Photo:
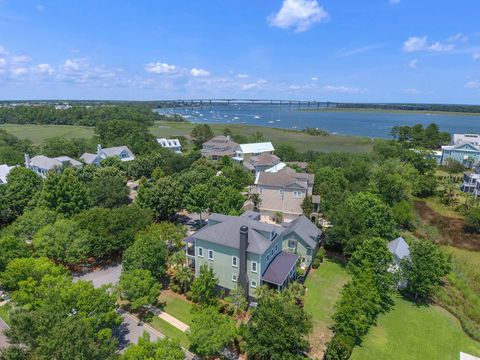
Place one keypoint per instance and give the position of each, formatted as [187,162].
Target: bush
[472,221]
[339,348]
[319,257]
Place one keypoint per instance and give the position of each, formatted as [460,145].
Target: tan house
[282,192]
[219,146]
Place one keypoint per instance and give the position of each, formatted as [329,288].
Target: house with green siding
[244,251]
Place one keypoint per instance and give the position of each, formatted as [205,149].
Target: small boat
[256,116]
[270,122]
[236,118]
[277,120]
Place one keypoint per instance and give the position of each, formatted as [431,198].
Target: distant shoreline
[391,111]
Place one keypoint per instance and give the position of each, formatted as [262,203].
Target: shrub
[340,347]
[319,257]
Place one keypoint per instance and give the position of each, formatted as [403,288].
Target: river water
[362,123]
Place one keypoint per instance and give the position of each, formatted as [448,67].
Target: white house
[400,250]
[121,152]
[246,151]
[4,171]
[462,138]
[172,144]
[42,164]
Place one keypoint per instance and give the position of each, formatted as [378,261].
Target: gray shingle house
[218,146]
[121,152]
[242,250]
[42,164]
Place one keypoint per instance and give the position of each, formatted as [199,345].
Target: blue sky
[336,50]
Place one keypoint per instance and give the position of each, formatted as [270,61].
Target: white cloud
[458,38]
[476,56]
[242,76]
[160,68]
[413,64]
[474,84]
[437,46]
[415,43]
[43,69]
[314,78]
[343,89]
[394,2]
[72,65]
[18,71]
[253,85]
[411,91]
[298,14]
[3,62]
[199,72]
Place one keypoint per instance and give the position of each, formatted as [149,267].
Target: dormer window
[272,235]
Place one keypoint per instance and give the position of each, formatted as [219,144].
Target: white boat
[256,116]
[270,122]
[236,118]
[277,120]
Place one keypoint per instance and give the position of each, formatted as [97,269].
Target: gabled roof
[399,248]
[4,171]
[305,229]
[465,145]
[103,153]
[473,138]
[47,163]
[256,148]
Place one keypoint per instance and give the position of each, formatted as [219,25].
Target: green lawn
[176,306]
[38,133]
[170,331]
[410,332]
[4,313]
[300,141]
[323,289]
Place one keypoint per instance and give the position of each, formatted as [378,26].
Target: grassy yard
[4,313]
[38,133]
[323,289]
[411,332]
[170,331]
[176,306]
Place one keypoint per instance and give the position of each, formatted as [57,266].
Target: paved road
[132,329]
[3,338]
[109,275]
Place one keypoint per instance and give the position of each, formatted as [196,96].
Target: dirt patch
[451,229]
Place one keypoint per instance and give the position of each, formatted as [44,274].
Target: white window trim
[268,258]
[234,278]
[208,254]
[200,252]
[256,267]
[234,263]
[260,190]
[297,194]
[252,284]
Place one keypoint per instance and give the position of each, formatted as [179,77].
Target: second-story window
[260,190]
[297,194]
[200,252]
[210,254]
[254,267]
[234,261]
[281,192]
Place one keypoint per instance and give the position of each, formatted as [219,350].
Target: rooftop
[278,270]
[256,148]
[399,248]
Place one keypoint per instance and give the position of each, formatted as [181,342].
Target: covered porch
[281,270]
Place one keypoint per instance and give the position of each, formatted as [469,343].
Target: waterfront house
[242,250]
[218,147]
[121,152]
[4,171]
[470,181]
[172,144]
[42,164]
[282,192]
[261,162]
[243,152]
[465,148]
